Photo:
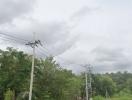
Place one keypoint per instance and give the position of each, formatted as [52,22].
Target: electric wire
[7,39]
[41,49]
[62,59]
[11,36]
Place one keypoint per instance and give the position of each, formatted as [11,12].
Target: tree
[51,82]
[55,82]
[14,71]
[129,84]
[103,83]
[100,84]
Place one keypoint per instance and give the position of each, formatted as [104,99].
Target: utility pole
[33,44]
[107,95]
[88,84]
[86,78]
[90,81]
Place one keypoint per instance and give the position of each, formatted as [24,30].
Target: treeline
[123,81]
[51,81]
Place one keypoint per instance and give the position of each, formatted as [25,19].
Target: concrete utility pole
[107,95]
[33,45]
[88,84]
[86,78]
[90,81]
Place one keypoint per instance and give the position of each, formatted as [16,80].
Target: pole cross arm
[34,44]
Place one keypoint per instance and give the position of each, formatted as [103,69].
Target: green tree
[103,83]
[129,84]
[14,71]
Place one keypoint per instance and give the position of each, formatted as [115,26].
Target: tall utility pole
[90,81]
[88,84]
[107,95]
[86,76]
[33,44]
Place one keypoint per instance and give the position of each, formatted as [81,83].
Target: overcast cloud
[77,31]
[10,9]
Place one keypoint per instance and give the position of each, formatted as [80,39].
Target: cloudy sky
[74,31]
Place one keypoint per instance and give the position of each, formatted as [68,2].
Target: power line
[4,34]
[11,40]
[42,53]
[5,39]
[16,40]
[50,54]
[42,49]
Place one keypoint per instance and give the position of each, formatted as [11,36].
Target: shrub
[98,98]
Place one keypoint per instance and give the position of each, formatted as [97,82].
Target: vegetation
[52,82]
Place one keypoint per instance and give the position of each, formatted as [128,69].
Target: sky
[75,32]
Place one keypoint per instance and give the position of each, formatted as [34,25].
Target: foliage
[123,80]
[100,84]
[9,95]
[52,82]
[14,71]
[98,98]
[103,83]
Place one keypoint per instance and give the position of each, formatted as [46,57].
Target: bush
[98,98]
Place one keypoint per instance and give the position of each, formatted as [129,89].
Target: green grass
[122,98]
[114,98]
[98,98]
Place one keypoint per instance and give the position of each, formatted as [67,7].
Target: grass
[114,98]
[122,98]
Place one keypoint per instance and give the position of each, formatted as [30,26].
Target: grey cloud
[55,36]
[107,28]
[109,60]
[10,9]
[106,54]
[83,12]
[80,14]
